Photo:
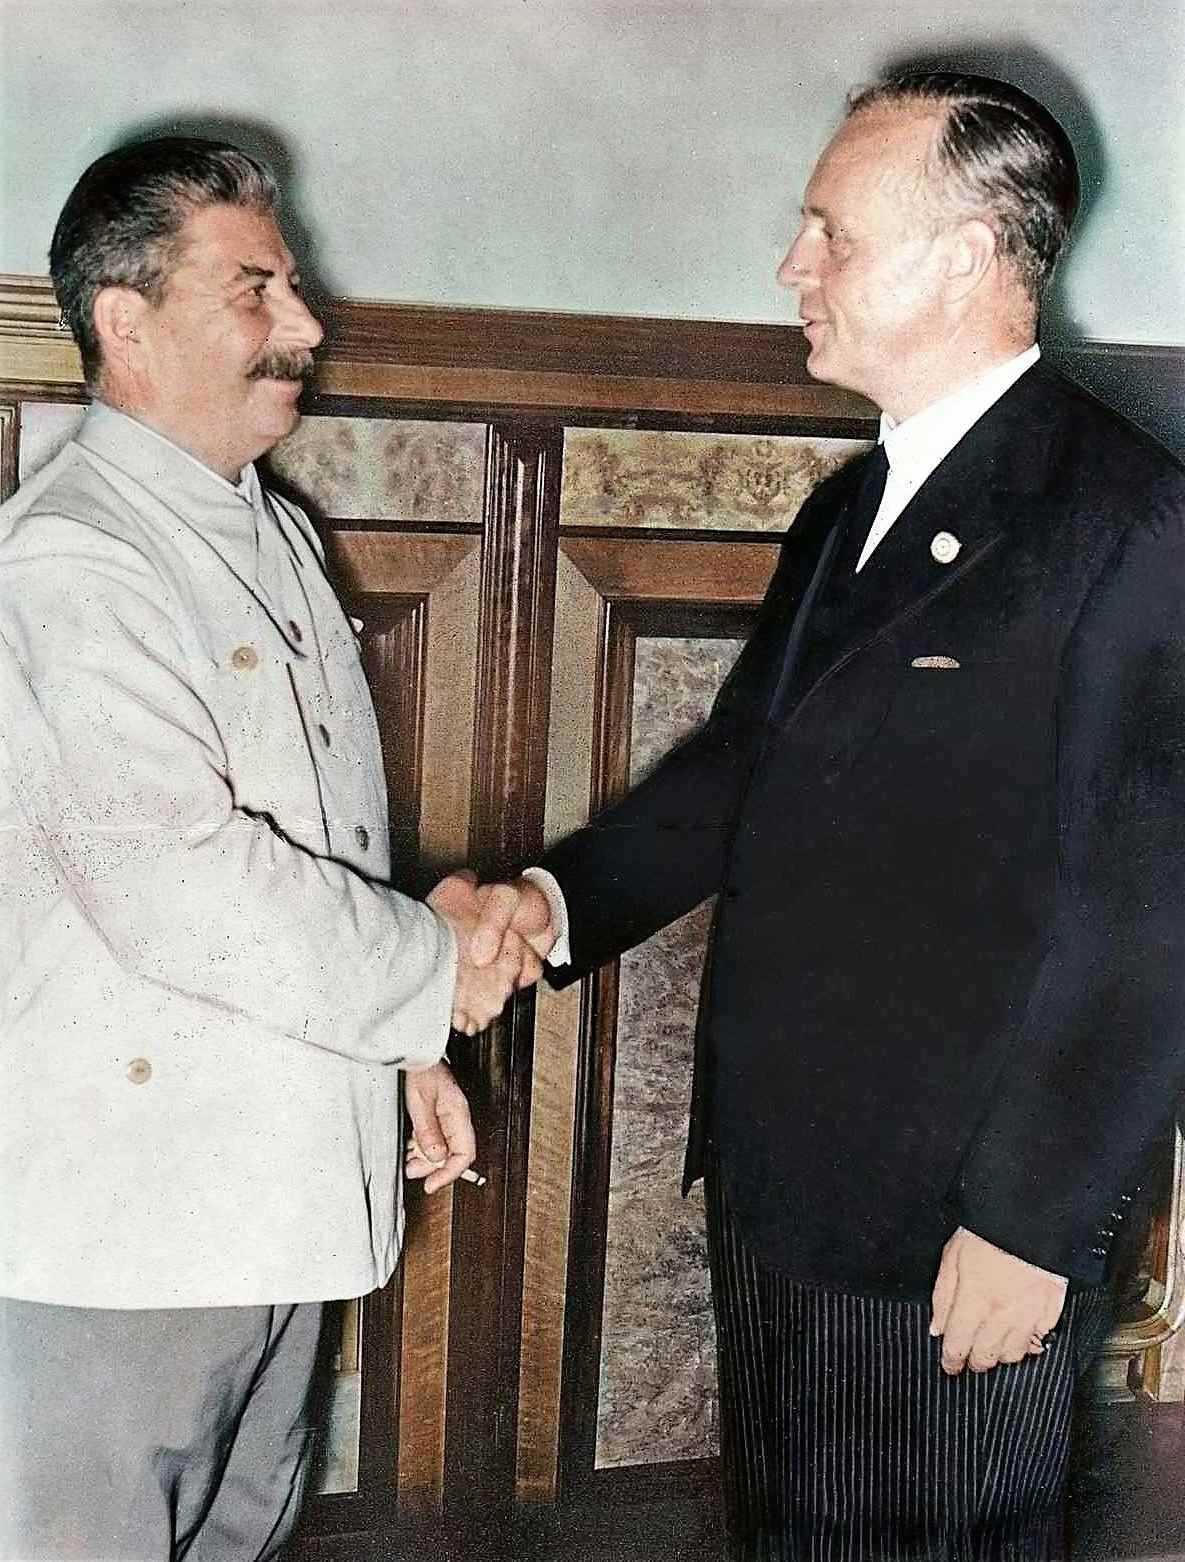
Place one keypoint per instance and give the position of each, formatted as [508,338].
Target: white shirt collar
[917,444]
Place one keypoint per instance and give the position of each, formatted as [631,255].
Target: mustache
[282,363]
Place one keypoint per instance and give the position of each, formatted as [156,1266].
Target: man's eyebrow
[249,272]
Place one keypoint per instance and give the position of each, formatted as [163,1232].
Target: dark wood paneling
[549,342]
[522,503]
[10,444]
[394,654]
[522,492]
[391,359]
[530,359]
[528,373]
[400,585]
[650,586]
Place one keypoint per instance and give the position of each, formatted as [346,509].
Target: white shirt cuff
[561,952]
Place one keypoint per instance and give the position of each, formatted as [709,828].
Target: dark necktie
[861,513]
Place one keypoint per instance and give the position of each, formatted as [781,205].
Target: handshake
[504,933]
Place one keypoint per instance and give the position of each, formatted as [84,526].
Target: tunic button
[244,658]
[362,836]
[139,1071]
[294,631]
[323,730]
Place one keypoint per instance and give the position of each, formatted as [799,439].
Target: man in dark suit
[941,800]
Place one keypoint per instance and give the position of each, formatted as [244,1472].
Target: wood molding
[448,361]
[638,584]
[650,567]
[491,360]
[35,348]
[10,444]
[519,544]
[417,596]
[522,507]
[549,361]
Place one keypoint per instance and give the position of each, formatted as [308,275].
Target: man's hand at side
[443,1144]
[989,1306]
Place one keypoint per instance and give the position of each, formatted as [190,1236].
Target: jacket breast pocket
[972,712]
[269,766]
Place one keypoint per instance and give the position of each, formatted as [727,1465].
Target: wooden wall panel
[502,662]
[610,589]
[10,434]
[513,683]
[417,598]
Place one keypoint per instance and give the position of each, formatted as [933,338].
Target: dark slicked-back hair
[998,155]
[121,224]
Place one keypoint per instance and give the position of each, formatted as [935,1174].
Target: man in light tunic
[209,993]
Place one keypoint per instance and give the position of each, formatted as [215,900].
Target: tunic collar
[227,514]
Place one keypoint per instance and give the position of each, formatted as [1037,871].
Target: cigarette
[468,1175]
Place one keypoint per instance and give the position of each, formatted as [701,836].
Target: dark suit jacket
[947,973]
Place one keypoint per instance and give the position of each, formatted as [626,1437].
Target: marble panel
[386,469]
[335,1467]
[1172,1369]
[708,482]
[658,1364]
[45,427]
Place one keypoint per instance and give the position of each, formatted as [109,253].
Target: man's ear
[118,317]
[971,254]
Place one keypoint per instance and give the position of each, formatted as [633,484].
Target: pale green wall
[608,155]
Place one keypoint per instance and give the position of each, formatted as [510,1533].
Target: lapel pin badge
[942,663]
[945,547]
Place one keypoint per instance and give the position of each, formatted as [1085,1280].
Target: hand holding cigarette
[442,1143]
[417,1161]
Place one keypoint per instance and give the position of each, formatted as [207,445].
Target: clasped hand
[503,933]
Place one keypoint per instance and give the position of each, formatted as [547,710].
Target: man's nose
[297,325]
[792,272]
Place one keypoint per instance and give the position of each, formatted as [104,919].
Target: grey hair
[1000,155]
[121,223]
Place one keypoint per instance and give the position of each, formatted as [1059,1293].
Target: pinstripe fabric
[843,1440]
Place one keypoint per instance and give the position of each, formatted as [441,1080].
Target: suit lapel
[960,515]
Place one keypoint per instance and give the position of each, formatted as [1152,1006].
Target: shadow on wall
[264,143]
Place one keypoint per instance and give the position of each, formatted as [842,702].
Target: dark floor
[1129,1506]
[1131,1503]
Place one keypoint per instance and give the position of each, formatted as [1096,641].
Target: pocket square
[934,661]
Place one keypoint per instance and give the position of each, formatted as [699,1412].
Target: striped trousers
[842,1440]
